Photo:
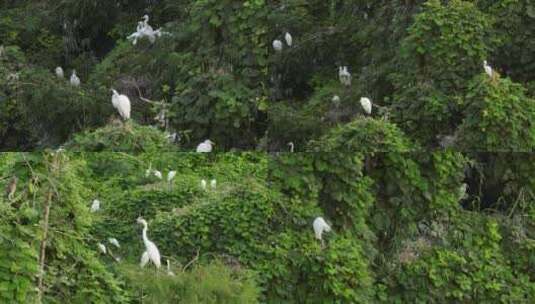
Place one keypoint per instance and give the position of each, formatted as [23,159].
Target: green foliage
[212,283]
[121,137]
[499,117]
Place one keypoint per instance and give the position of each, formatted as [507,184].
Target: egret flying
[366,104]
[95,206]
[277,45]
[75,81]
[121,103]
[59,72]
[102,248]
[171,175]
[158,174]
[205,147]
[213,184]
[203,184]
[292,146]
[320,226]
[288,39]
[151,250]
[114,242]
[488,69]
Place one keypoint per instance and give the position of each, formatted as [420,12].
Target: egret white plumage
[292,146]
[121,103]
[488,69]
[277,45]
[288,39]
[114,242]
[205,146]
[158,174]
[213,184]
[75,81]
[203,184]
[151,249]
[320,226]
[95,206]
[144,259]
[171,175]
[344,76]
[59,72]
[102,248]
[336,99]
[169,272]
[366,104]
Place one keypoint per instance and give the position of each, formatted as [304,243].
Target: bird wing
[124,106]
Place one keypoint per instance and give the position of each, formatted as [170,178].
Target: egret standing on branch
[75,81]
[102,248]
[292,146]
[59,72]
[320,226]
[213,184]
[366,104]
[171,175]
[121,103]
[114,242]
[158,174]
[203,184]
[344,76]
[205,146]
[151,253]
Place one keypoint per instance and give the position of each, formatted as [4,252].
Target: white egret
[158,174]
[59,72]
[462,191]
[102,248]
[446,141]
[288,39]
[292,146]
[203,184]
[320,226]
[121,103]
[169,272]
[344,75]
[277,45]
[171,175]
[488,69]
[366,104]
[95,206]
[205,146]
[151,249]
[336,99]
[149,170]
[114,242]
[213,184]
[146,26]
[173,138]
[75,81]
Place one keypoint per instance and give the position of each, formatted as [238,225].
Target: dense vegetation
[430,197]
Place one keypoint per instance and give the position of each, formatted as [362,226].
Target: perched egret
[59,72]
[149,170]
[95,206]
[11,188]
[173,138]
[102,248]
[366,104]
[336,99]
[205,147]
[213,184]
[146,26]
[203,184]
[277,45]
[344,76]
[151,249]
[288,39]
[137,34]
[171,175]
[462,191]
[158,174]
[75,81]
[121,103]
[169,272]
[114,242]
[320,226]
[488,69]
[292,146]
[446,141]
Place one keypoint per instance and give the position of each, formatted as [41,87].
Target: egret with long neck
[151,249]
